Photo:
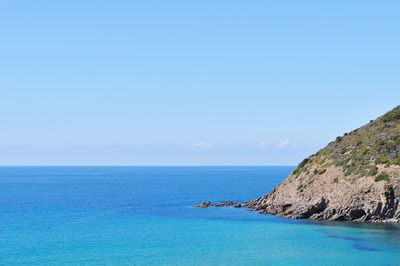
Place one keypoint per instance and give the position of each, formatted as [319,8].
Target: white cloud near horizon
[284,144]
[203,145]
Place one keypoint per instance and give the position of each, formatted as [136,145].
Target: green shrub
[303,163]
[321,171]
[381,160]
[298,171]
[362,172]
[348,169]
[392,116]
[327,165]
[382,177]
[373,171]
[299,168]
[396,161]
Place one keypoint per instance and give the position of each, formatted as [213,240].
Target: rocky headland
[354,178]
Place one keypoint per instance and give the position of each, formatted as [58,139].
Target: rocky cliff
[356,177]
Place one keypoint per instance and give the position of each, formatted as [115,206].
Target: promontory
[356,177]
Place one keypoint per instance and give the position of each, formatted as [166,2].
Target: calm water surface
[143,216]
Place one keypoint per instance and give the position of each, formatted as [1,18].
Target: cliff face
[356,177]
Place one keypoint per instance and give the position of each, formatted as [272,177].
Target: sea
[144,216]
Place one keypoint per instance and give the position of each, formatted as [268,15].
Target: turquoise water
[143,216]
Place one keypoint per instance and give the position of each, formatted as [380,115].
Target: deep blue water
[143,216]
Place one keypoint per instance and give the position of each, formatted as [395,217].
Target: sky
[191,82]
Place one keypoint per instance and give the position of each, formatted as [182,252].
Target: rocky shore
[363,199]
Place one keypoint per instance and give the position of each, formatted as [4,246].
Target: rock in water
[356,177]
[205,204]
[228,203]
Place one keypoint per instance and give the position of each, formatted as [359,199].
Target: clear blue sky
[190,82]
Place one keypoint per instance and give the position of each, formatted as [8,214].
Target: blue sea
[143,216]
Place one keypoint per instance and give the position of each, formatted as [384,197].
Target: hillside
[356,177]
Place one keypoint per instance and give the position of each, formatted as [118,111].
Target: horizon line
[155,165]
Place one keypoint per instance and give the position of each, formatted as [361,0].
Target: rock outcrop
[356,177]
[228,203]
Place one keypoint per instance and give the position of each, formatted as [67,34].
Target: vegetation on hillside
[359,152]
